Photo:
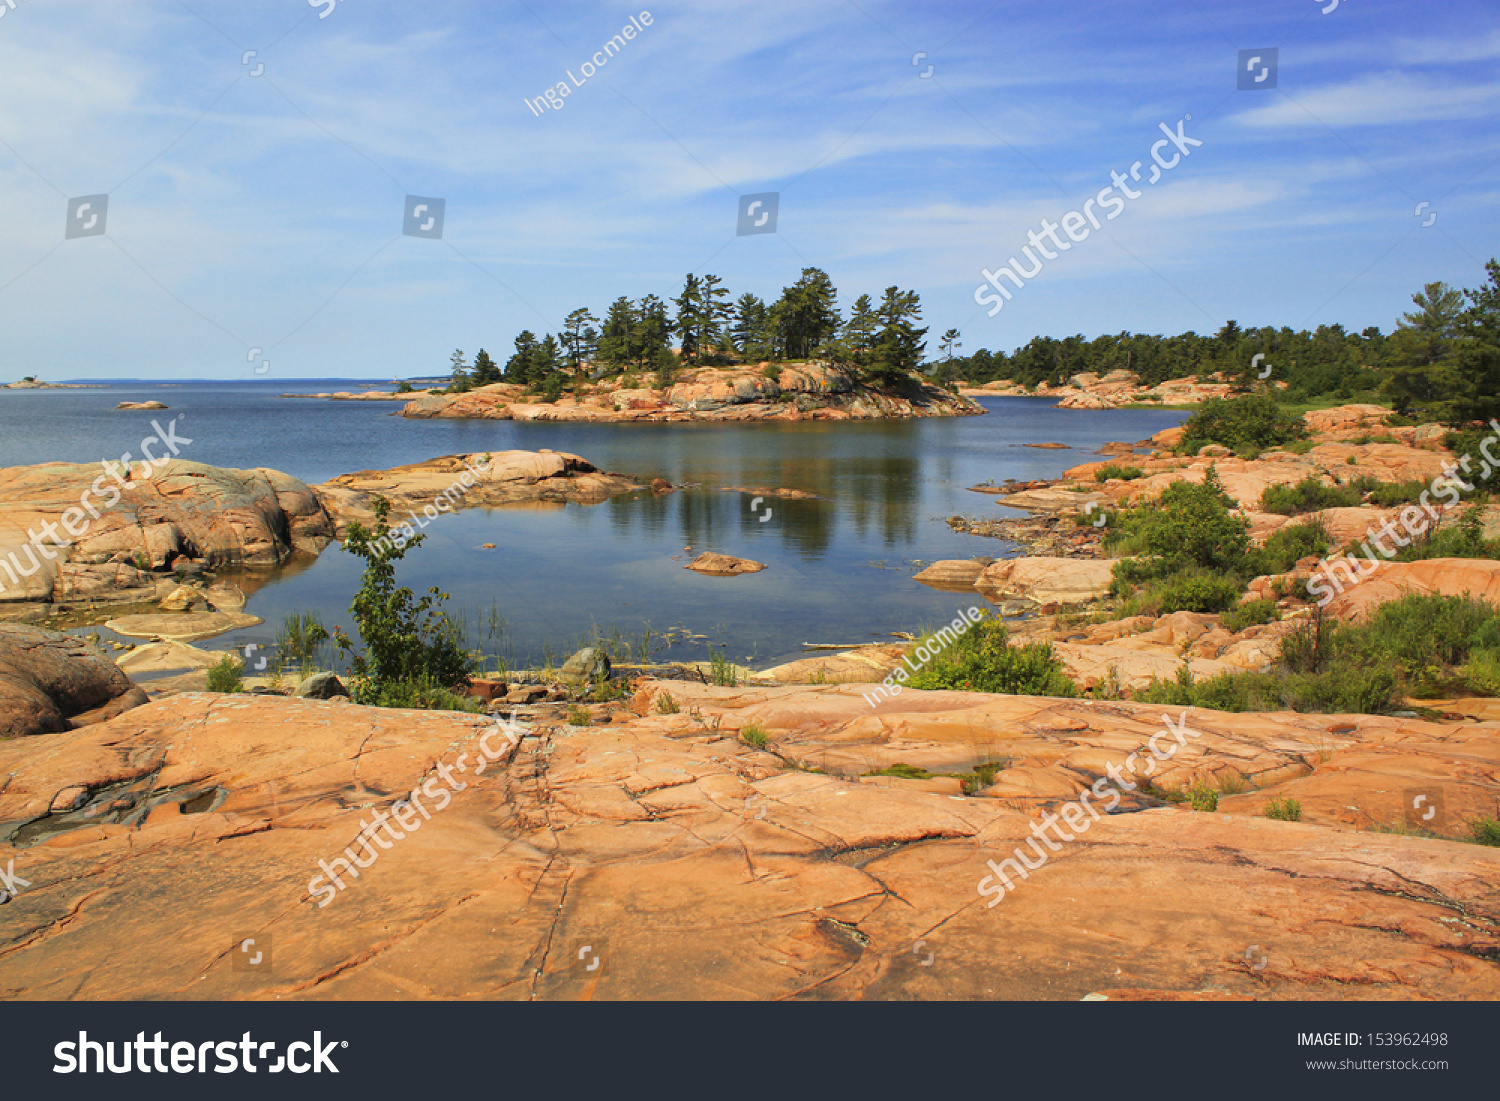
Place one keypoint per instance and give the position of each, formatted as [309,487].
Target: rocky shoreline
[793,392]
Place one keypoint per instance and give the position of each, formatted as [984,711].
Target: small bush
[1203,798]
[1395,494]
[980,777]
[982,660]
[1288,546]
[1188,591]
[579,716]
[1251,614]
[721,670]
[1188,525]
[753,735]
[1284,809]
[666,704]
[771,372]
[224,675]
[1252,419]
[1308,495]
[1115,470]
[420,694]
[1485,831]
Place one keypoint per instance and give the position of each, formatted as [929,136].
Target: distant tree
[547,368]
[691,317]
[1426,379]
[617,333]
[486,370]
[806,315]
[651,334]
[857,336]
[750,330]
[460,383]
[717,312]
[520,367]
[899,345]
[949,344]
[581,339]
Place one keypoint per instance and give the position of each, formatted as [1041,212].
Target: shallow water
[839,567]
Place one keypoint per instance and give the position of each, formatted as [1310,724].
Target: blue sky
[265,211]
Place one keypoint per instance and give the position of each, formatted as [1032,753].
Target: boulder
[51,681]
[182,598]
[723,565]
[1063,581]
[321,686]
[585,667]
[954,575]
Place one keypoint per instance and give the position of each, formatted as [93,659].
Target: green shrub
[224,675]
[753,735]
[1187,591]
[1284,809]
[1188,525]
[1203,798]
[1251,614]
[982,660]
[1251,419]
[772,372]
[667,705]
[418,694]
[579,716]
[1286,547]
[1308,495]
[1396,494]
[407,641]
[721,670]
[1485,831]
[1115,470]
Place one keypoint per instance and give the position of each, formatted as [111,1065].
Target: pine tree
[899,347]
[460,383]
[486,370]
[749,331]
[806,314]
[690,320]
[519,368]
[651,334]
[615,339]
[581,339]
[717,312]
[856,341]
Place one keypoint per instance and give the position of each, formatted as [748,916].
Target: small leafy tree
[407,640]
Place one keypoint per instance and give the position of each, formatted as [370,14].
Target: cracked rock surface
[660,856]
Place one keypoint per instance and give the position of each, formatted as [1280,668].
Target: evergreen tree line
[1442,361]
[882,341]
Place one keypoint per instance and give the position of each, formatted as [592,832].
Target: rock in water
[181,599]
[50,682]
[321,686]
[585,667]
[724,565]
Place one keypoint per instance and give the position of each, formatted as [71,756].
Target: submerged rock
[723,565]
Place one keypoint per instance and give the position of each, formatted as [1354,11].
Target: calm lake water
[839,567]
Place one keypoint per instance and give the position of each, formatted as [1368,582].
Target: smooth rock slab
[697,867]
[182,627]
